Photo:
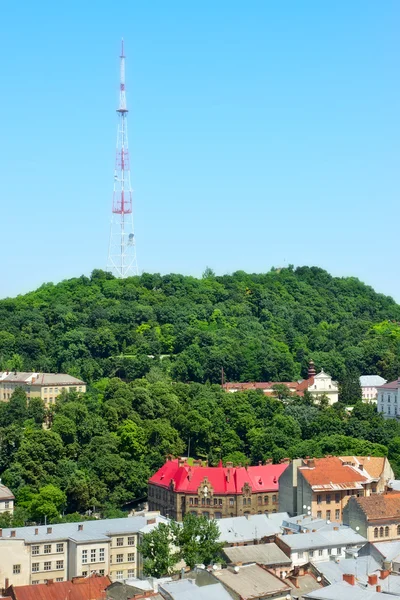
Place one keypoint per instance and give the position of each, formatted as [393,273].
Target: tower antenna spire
[122,246]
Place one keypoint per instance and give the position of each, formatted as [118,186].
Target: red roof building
[79,588]
[216,492]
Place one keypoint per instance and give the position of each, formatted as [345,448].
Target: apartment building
[388,399]
[34,555]
[7,500]
[369,387]
[46,386]
[323,486]
[375,517]
[179,488]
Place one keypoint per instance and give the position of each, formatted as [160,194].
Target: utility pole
[122,247]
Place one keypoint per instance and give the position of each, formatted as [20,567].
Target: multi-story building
[33,555]
[46,386]
[369,386]
[388,399]
[323,486]
[375,517]
[317,385]
[7,500]
[215,492]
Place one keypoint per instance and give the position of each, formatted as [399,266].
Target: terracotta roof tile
[82,588]
[372,465]
[380,506]
[330,470]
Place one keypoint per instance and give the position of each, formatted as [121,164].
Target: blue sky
[262,133]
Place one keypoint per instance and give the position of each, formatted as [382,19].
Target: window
[131,540]
[319,498]
[131,573]
[244,501]
[206,514]
[84,573]
[35,549]
[398,529]
[320,552]
[131,557]
[231,501]
[328,515]
[119,575]
[274,498]
[35,567]
[311,553]
[319,514]
[120,541]
[191,501]
[386,531]
[101,572]
[329,551]
[196,501]
[16,569]
[59,564]
[6,504]
[337,514]
[220,502]
[380,531]
[45,390]
[50,390]
[101,554]
[120,558]
[215,501]
[301,554]
[47,548]
[47,565]
[266,499]
[84,556]
[388,410]
[376,531]
[328,498]
[59,578]
[203,501]
[93,555]
[208,501]
[218,515]
[35,582]
[389,398]
[56,390]
[60,547]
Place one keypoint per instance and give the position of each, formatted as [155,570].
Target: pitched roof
[251,581]
[380,506]
[223,480]
[39,379]
[371,465]
[262,554]
[322,539]
[234,530]
[345,591]
[391,385]
[294,386]
[186,588]
[371,380]
[82,588]
[331,473]
[6,493]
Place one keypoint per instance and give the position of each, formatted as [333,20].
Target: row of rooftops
[322,474]
[38,379]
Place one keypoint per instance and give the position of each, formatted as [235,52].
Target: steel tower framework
[122,247]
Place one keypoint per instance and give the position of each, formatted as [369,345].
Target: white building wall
[388,402]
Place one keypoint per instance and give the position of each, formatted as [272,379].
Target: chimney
[311,463]
[49,530]
[361,467]
[228,475]
[378,588]
[229,465]
[50,582]
[36,531]
[373,579]
[351,579]
[190,474]
[150,521]
[336,529]
[80,527]
[384,573]
[260,463]
[13,533]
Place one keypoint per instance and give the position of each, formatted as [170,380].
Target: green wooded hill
[256,326]
[99,448]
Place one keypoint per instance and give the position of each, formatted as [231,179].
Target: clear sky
[262,133]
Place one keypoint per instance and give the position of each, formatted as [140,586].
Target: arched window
[398,529]
[244,501]
[266,499]
[381,532]
[386,531]
[376,532]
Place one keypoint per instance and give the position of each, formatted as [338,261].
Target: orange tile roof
[380,506]
[330,470]
[80,588]
[373,465]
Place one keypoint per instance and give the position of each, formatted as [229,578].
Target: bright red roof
[223,480]
[82,588]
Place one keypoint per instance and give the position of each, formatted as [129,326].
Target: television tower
[122,248]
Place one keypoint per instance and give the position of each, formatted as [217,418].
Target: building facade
[214,492]
[388,399]
[369,386]
[34,555]
[46,386]
[7,500]
[323,486]
[317,385]
[377,517]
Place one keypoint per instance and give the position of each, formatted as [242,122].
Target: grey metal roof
[345,591]
[333,570]
[246,529]
[325,539]
[262,554]
[40,379]
[92,530]
[371,380]
[307,524]
[251,581]
[304,584]
[187,588]
[389,550]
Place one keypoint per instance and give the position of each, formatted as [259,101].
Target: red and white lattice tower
[122,248]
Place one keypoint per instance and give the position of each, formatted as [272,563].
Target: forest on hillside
[100,447]
[262,327]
